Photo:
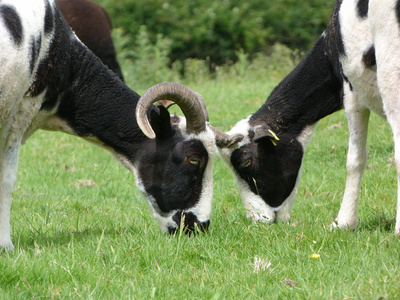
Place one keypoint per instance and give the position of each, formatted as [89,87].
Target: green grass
[82,230]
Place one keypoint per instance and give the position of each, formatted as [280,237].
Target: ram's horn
[168,103]
[189,101]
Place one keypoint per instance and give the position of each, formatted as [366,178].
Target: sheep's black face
[174,173]
[270,171]
[176,179]
[266,171]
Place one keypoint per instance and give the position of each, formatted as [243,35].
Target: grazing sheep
[353,64]
[50,80]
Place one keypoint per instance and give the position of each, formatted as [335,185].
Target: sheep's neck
[310,92]
[97,106]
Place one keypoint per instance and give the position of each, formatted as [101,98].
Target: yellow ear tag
[272,141]
[273,134]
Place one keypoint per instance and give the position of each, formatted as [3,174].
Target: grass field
[82,230]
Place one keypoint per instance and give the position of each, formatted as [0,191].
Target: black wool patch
[369,59]
[13,23]
[397,8]
[36,44]
[362,8]
[339,40]
[48,19]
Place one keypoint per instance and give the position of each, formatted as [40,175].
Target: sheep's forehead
[242,127]
[207,137]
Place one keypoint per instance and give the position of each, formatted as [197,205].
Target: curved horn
[168,103]
[224,140]
[190,102]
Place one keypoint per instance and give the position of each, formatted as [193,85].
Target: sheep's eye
[246,163]
[194,160]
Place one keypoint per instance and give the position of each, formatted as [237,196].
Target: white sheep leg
[393,114]
[387,51]
[8,176]
[395,124]
[397,226]
[356,160]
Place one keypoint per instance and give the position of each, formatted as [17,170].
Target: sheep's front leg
[387,52]
[8,176]
[397,226]
[393,114]
[356,160]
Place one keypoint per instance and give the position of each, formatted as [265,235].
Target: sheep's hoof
[6,246]
[335,225]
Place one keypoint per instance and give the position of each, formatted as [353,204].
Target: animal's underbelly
[366,87]
[374,104]
[18,119]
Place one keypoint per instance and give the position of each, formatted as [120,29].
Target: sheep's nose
[190,223]
[203,226]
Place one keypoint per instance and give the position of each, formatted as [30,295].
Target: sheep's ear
[175,120]
[160,122]
[265,133]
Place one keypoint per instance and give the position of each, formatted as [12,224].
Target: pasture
[82,230]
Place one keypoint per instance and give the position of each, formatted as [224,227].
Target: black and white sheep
[50,80]
[92,24]
[353,64]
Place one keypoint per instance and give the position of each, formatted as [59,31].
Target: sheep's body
[354,63]
[372,38]
[386,38]
[361,95]
[50,80]
[92,25]
[17,110]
